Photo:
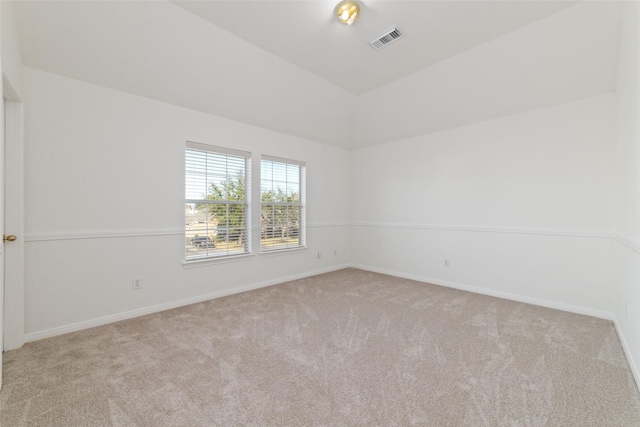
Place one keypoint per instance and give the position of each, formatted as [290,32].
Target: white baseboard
[627,353]
[60,330]
[65,329]
[490,292]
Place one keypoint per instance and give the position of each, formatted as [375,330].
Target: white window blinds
[282,204]
[217,195]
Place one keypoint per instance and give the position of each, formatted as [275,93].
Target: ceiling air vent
[388,37]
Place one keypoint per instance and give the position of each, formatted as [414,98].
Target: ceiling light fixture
[348,11]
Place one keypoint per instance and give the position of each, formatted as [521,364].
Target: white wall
[521,206]
[102,163]
[627,186]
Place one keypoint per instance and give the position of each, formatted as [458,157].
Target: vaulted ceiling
[291,67]
[306,33]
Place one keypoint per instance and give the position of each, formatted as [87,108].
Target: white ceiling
[291,67]
[305,33]
[565,57]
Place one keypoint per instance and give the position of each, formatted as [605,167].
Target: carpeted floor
[343,348]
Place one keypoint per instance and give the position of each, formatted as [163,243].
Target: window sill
[287,251]
[202,262]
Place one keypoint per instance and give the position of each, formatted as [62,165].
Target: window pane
[214,227]
[282,224]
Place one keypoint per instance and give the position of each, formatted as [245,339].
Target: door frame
[14,310]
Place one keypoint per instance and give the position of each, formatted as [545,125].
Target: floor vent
[386,38]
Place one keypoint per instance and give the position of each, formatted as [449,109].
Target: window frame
[245,231]
[301,204]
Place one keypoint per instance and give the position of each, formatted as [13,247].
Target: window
[217,195]
[282,207]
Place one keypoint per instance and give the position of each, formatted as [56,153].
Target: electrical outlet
[447,263]
[335,252]
[319,255]
[136,283]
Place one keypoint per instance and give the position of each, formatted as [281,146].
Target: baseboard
[490,292]
[627,353]
[61,330]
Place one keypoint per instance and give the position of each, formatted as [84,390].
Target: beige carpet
[344,348]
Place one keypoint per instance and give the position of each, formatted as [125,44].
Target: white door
[12,196]
[2,192]
[12,178]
